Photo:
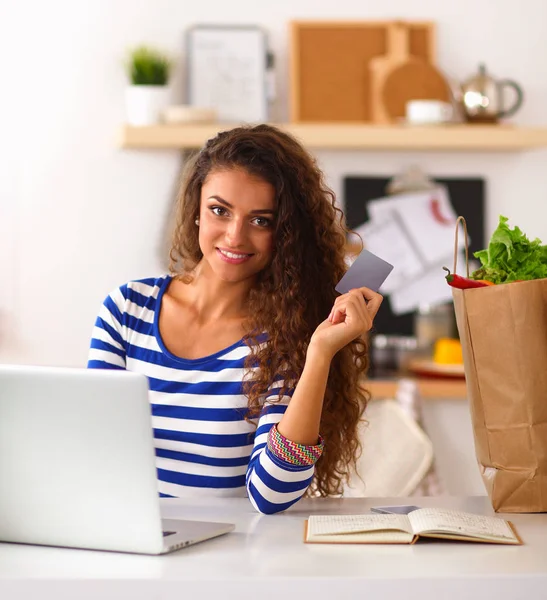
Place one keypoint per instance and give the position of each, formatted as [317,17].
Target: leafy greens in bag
[511,256]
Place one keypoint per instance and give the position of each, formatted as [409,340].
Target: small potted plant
[148,95]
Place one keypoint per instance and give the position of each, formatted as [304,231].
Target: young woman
[252,359]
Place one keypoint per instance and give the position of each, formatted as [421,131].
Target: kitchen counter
[266,558]
[430,389]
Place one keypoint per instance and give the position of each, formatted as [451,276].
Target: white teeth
[232,255]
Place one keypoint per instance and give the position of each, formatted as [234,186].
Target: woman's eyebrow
[252,212]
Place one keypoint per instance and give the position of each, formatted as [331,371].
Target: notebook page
[367,537]
[344,524]
[460,523]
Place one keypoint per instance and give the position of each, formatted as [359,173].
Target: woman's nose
[235,232]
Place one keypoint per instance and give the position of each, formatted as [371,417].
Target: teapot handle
[518,100]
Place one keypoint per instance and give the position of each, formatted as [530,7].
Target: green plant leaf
[147,66]
[511,256]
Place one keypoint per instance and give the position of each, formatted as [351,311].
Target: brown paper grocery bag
[503,331]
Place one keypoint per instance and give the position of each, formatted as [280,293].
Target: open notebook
[406,529]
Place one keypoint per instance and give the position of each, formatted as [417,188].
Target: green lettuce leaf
[511,256]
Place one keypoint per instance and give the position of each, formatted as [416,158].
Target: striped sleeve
[108,347]
[273,481]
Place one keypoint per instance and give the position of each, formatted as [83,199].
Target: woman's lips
[234,258]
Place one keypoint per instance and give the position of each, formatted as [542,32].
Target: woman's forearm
[301,420]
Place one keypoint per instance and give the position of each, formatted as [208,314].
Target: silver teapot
[482,98]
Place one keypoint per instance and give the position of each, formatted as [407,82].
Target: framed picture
[227,69]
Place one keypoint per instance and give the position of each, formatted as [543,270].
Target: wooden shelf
[354,136]
[430,389]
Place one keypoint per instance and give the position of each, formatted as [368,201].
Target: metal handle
[518,100]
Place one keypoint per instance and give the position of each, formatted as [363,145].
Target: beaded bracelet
[291,452]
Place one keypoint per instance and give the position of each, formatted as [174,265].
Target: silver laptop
[77,463]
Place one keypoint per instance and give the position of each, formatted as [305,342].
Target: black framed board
[467,195]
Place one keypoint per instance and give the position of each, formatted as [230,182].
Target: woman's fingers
[364,301]
[340,312]
[339,309]
[373,300]
[351,309]
[351,316]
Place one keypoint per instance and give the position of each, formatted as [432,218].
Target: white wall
[79,216]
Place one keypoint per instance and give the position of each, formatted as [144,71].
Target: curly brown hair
[295,293]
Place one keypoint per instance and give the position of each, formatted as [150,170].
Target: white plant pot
[144,104]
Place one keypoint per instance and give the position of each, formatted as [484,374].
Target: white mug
[424,112]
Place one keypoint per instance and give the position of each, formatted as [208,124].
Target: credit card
[394,510]
[368,270]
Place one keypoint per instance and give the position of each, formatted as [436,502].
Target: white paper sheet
[339,524]
[429,288]
[415,233]
[389,240]
[428,218]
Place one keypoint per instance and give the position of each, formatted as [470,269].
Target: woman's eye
[263,222]
[219,211]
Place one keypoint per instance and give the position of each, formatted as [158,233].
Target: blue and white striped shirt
[204,445]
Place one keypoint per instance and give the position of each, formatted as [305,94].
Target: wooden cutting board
[398,77]
[329,66]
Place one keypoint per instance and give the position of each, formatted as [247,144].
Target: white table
[265,558]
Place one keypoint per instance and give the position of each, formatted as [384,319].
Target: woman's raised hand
[352,315]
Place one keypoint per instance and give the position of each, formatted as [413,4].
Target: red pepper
[435,206]
[463,283]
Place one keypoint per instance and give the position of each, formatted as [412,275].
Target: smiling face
[237,213]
